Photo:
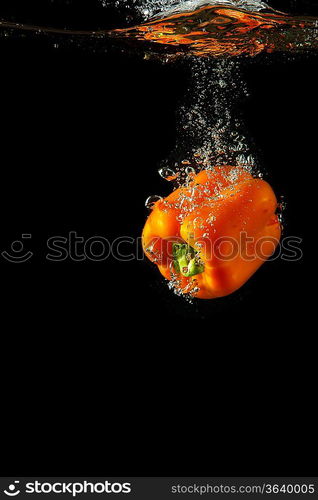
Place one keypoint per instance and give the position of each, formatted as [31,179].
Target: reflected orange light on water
[223,31]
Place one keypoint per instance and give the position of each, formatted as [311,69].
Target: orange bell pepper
[209,236]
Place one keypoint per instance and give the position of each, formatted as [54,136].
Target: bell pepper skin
[211,235]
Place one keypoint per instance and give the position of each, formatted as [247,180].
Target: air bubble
[211,219]
[168,174]
[190,171]
[152,200]
[180,218]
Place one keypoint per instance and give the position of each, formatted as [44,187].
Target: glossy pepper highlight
[209,236]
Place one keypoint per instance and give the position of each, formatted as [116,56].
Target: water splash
[224,31]
[149,9]
[220,28]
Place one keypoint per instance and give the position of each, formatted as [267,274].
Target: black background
[102,366]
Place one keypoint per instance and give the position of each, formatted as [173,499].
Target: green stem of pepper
[186,260]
